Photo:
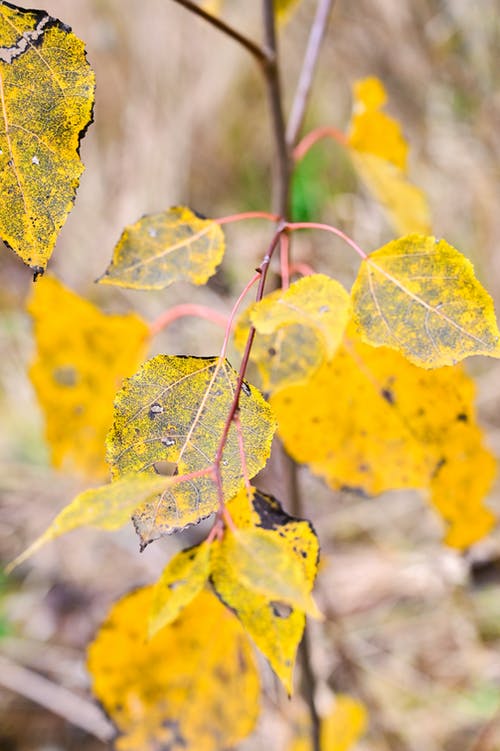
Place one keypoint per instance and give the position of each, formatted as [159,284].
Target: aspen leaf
[298,329]
[182,579]
[174,410]
[82,356]
[183,689]
[107,507]
[262,561]
[159,249]
[275,628]
[420,296]
[340,728]
[380,154]
[46,99]
[388,425]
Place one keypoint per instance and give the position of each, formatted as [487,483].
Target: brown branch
[56,699]
[316,36]
[257,52]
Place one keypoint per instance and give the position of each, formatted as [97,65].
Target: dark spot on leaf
[462,417]
[271,351]
[439,466]
[37,271]
[246,388]
[388,395]
[280,609]
[197,213]
[155,409]
[66,375]
[167,469]
[167,441]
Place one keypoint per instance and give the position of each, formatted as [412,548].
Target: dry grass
[180,118]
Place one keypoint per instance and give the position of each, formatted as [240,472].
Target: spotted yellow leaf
[371,421]
[82,356]
[380,154]
[107,507]
[46,99]
[276,628]
[194,686]
[175,245]
[173,412]
[340,728]
[182,579]
[297,329]
[420,296]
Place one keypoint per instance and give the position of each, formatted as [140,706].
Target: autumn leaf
[275,628]
[380,154]
[46,99]
[371,421]
[298,328]
[107,507]
[284,9]
[182,579]
[82,356]
[159,249]
[173,411]
[420,296]
[183,689]
[340,728]
[262,562]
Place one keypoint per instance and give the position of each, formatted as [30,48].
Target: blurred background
[181,118]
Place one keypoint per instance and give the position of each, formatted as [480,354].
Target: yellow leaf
[373,131]
[340,729]
[176,245]
[298,329]
[371,421]
[405,204]
[82,357]
[182,579]
[173,410]
[275,628]
[107,507]
[379,152]
[420,296]
[261,561]
[194,686]
[284,9]
[46,98]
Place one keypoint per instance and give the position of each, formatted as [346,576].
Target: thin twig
[316,36]
[271,73]
[292,226]
[186,309]
[326,131]
[56,699]
[257,52]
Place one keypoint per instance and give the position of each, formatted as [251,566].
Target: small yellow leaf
[379,152]
[262,561]
[405,204]
[373,131]
[371,421]
[340,729]
[182,579]
[173,411]
[107,507]
[46,99]
[194,686]
[82,357]
[420,296]
[275,628]
[175,245]
[284,9]
[297,329]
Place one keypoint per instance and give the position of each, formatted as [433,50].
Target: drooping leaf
[371,421]
[173,410]
[420,296]
[82,357]
[275,628]
[300,328]
[175,245]
[405,204]
[182,579]
[380,154]
[192,687]
[46,98]
[107,507]
[340,728]
[262,561]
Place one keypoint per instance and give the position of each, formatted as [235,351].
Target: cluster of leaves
[360,388]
